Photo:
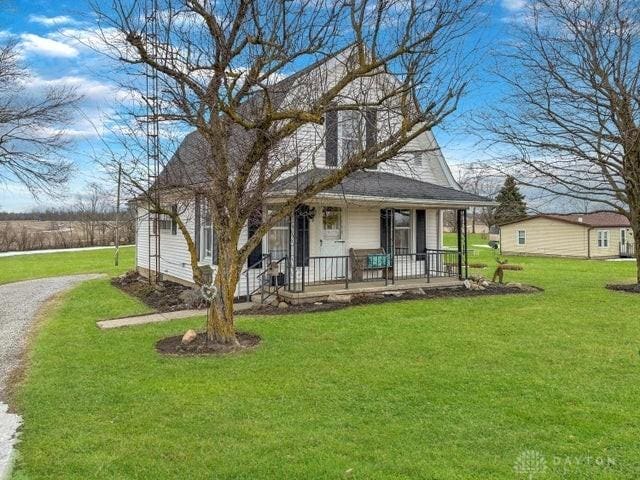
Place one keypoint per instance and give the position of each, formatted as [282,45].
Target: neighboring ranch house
[588,235]
[379,230]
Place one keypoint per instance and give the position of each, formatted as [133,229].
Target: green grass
[24,267]
[441,389]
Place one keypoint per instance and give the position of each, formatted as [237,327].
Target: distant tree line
[90,221]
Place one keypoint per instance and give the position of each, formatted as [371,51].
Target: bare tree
[572,123]
[91,207]
[480,179]
[31,127]
[217,65]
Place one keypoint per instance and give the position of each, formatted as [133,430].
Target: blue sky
[47,35]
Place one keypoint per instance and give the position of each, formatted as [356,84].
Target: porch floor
[313,293]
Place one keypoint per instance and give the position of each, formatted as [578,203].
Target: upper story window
[603,238]
[521,236]
[348,132]
[417,159]
[351,133]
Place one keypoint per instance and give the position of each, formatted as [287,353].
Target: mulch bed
[166,296]
[202,346]
[368,299]
[624,287]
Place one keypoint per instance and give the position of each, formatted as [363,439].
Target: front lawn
[39,265]
[446,389]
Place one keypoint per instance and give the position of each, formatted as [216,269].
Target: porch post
[459,230]
[466,247]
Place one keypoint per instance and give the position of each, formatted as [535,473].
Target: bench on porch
[369,259]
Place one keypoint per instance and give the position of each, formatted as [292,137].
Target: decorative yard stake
[502,266]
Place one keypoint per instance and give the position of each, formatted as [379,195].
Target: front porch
[363,264]
[319,293]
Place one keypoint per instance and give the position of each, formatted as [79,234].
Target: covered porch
[335,247]
[375,230]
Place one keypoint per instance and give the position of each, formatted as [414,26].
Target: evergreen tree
[511,203]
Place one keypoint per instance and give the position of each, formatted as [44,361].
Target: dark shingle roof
[383,185]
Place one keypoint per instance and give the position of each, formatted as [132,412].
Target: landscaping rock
[514,285]
[394,293]
[484,283]
[333,298]
[283,305]
[189,337]
[417,291]
[467,284]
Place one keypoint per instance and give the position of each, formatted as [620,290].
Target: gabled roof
[372,184]
[190,162]
[600,219]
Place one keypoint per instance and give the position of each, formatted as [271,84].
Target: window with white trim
[278,239]
[402,231]
[623,236]
[603,238]
[351,133]
[207,236]
[521,237]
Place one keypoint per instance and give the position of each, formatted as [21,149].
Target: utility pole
[117,239]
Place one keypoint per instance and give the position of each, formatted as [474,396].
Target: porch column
[459,226]
[466,247]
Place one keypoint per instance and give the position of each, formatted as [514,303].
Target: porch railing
[627,250]
[376,267]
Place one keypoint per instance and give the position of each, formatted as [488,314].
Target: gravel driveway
[19,304]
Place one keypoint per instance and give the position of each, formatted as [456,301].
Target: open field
[22,235]
[447,389]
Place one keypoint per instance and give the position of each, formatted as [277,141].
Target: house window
[417,159]
[351,133]
[278,240]
[402,231]
[603,238]
[165,222]
[623,237]
[208,237]
[521,237]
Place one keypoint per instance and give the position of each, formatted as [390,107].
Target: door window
[332,223]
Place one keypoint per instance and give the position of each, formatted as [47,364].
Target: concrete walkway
[161,317]
[19,306]
[59,250]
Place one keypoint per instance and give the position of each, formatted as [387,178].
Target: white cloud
[52,21]
[514,5]
[35,44]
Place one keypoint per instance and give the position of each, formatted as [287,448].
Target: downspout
[589,243]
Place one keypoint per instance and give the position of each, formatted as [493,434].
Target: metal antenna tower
[153,138]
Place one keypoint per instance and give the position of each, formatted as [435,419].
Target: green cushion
[378,260]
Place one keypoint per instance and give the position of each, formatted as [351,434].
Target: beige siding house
[590,235]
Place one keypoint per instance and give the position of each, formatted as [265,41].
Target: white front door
[332,244]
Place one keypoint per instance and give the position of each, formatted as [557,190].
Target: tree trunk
[220,320]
